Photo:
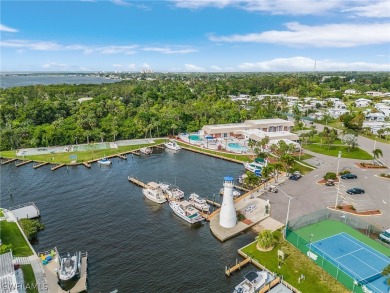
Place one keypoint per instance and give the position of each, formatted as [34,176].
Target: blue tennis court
[363,263]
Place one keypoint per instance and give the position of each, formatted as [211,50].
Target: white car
[385,236]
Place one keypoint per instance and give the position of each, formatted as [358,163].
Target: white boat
[172,145]
[253,281]
[236,193]
[253,167]
[105,161]
[172,191]
[185,211]
[199,202]
[146,151]
[154,192]
[69,267]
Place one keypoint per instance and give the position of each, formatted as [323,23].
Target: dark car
[348,176]
[355,191]
[330,182]
[294,177]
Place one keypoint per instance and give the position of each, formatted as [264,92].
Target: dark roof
[251,276]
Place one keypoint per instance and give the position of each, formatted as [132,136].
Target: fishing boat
[253,281]
[172,145]
[199,202]
[154,192]
[172,191]
[69,266]
[185,211]
[146,151]
[105,161]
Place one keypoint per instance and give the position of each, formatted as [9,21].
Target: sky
[195,36]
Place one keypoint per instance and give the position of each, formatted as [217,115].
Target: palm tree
[266,240]
[265,172]
[277,167]
[377,153]
[386,273]
[287,160]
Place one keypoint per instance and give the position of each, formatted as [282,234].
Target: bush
[344,172]
[240,217]
[5,248]
[266,239]
[330,175]
[31,227]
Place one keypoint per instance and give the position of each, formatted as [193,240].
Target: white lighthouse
[227,216]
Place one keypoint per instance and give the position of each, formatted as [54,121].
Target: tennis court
[361,262]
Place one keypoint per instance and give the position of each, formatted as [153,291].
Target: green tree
[251,180]
[266,239]
[31,227]
[377,153]
[287,161]
[386,273]
[266,171]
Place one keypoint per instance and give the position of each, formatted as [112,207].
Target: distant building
[339,105]
[362,103]
[336,113]
[8,282]
[376,125]
[375,94]
[84,99]
[375,117]
[350,92]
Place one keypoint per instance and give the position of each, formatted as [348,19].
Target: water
[194,137]
[24,80]
[237,147]
[134,245]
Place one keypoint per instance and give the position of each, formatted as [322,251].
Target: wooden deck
[57,167]
[23,163]
[237,266]
[40,164]
[213,203]
[86,164]
[183,146]
[8,161]
[137,182]
[25,211]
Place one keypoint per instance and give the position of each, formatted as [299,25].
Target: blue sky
[201,35]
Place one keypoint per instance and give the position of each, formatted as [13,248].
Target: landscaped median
[355,153]
[82,156]
[293,267]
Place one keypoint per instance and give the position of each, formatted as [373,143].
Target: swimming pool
[235,147]
[194,137]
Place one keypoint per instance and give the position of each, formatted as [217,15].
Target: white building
[362,102]
[8,282]
[375,94]
[336,113]
[350,92]
[376,125]
[375,117]
[339,105]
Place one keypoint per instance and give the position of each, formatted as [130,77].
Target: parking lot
[308,196]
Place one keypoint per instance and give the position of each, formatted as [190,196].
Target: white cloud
[117,65]
[54,65]
[217,68]
[192,67]
[4,28]
[308,64]
[131,66]
[120,2]
[328,35]
[301,7]
[169,50]
[379,9]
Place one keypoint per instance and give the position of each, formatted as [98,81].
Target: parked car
[355,190]
[385,236]
[330,182]
[348,176]
[294,177]
[298,174]
[272,188]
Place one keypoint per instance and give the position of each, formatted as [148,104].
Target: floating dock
[8,161]
[23,163]
[137,182]
[213,203]
[25,211]
[86,164]
[40,165]
[237,266]
[57,167]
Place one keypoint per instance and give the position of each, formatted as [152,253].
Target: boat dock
[213,203]
[8,161]
[241,188]
[137,153]
[237,266]
[137,182]
[86,164]
[40,165]
[57,167]
[25,211]
[23,163]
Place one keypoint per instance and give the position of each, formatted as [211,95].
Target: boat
[172,145]
[69,266]
[253,167]
[154,192]
[105,161]
[199,202]
[253,281]
[172,191]
[236,193]
[146,150]
[184,210]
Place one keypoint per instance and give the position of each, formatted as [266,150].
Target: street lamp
[288,210]
[338,184]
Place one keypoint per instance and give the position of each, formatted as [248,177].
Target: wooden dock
[123,157]
[135,153]
[25,211]
[237,266]
[8,161]
[23,163]
[40,165]
[158,146]
[86,164]
[137,182]
[213,203]
[241,188]
[209,154]
[57,167]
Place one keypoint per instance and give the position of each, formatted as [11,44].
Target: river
[134,245]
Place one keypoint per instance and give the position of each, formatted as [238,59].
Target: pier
[40,165]
[213,203]
[8,161]
[23,163]
[209,154]
[57,167]
[137,182]
[135,153]
[237,266]
[86,164]
[123,157]
[25,211]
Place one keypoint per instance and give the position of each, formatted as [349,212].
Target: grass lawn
[1,213]
[29,279]
[356,153]
[10,234]
[295,264]
[377,138]
[82,156]
[303,157]
[302,169]
[317,139]
[242,158]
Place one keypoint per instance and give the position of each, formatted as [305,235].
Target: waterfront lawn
[302,169]
[82,156]
[10,234]
[242,158]
[295,264]
[355,153]
[29,279]
[1,213]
